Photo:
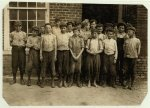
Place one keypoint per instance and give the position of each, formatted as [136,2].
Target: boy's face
[34,33]
[93,25]
[121,29]
[48,29]
[70,27]
[57,23]
[110,34]
[100,29]
[18,28]
[87,26]
[79,26]
[63,29]
[76,32]
[42,29]
[130,33]
[94,34]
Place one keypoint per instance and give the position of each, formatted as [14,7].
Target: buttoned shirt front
[18,38]
[76,43]
[34,41]
[48,42]
[63,41]
[110,47]
[94,45]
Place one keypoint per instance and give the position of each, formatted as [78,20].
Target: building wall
[67,12]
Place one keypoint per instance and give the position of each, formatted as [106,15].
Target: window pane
[40,4]
[31,14]
[40,23]
[31,4]
[30,25]
[12,4]
[24,26]
[23,14]
[22,4]
[13,14]
[12,28]
[41,14]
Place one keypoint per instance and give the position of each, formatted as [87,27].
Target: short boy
[76,46]
[48,53]
[18,40]
[70,28]
[63,55]
[93,24]
[110,57]
[94,47]
[132,47]
[33,43]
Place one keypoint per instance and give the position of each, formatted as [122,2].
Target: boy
[132,47]
[42,30]
[100,29]
[76,46]
[18,40]
[110,57]
[56,27]
[69,28]
[121,36]
[33,43]
[94,47]
[63,55]
[93,24]
[48,53]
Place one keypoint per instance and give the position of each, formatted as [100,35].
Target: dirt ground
[35,96]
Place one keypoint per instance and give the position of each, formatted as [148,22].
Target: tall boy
[94,47]
[132,47]
[110,57]
[63,55]
[48,53]
[33,43]
[18,40]
[76,46]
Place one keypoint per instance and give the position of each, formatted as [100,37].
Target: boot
[22,82]
[89,83]
[53,84]
[60,84]
[95,85]
[65,84]
[78,81]
[29,82]
[42,83]
[71,81]
[14,79]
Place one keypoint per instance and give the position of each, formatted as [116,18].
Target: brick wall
[67,12]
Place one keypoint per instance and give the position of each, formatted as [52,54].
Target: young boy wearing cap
[18,40]
[110,57]
[48,53]
[93,24]
[63,55]
[94,47]
[132,47]
[121,36]
[76,46]
[69,28]
[33,43]
[56,27]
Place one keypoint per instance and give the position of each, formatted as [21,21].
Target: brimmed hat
[35,28]
[132,28]
[18,23]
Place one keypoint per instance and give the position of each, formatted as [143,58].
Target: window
[29,13]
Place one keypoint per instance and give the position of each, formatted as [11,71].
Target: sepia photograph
[74,54]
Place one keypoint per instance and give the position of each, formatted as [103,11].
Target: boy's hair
[63,25]
[93,20]
[57,19]
[75,28]
[99,25]
[110,30]
[77,23]
[48,24]
[121,24]
[69,23]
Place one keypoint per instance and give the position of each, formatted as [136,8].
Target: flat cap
[131,28]
[35,28]
[18,23]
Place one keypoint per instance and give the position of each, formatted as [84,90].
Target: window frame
[7,47]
